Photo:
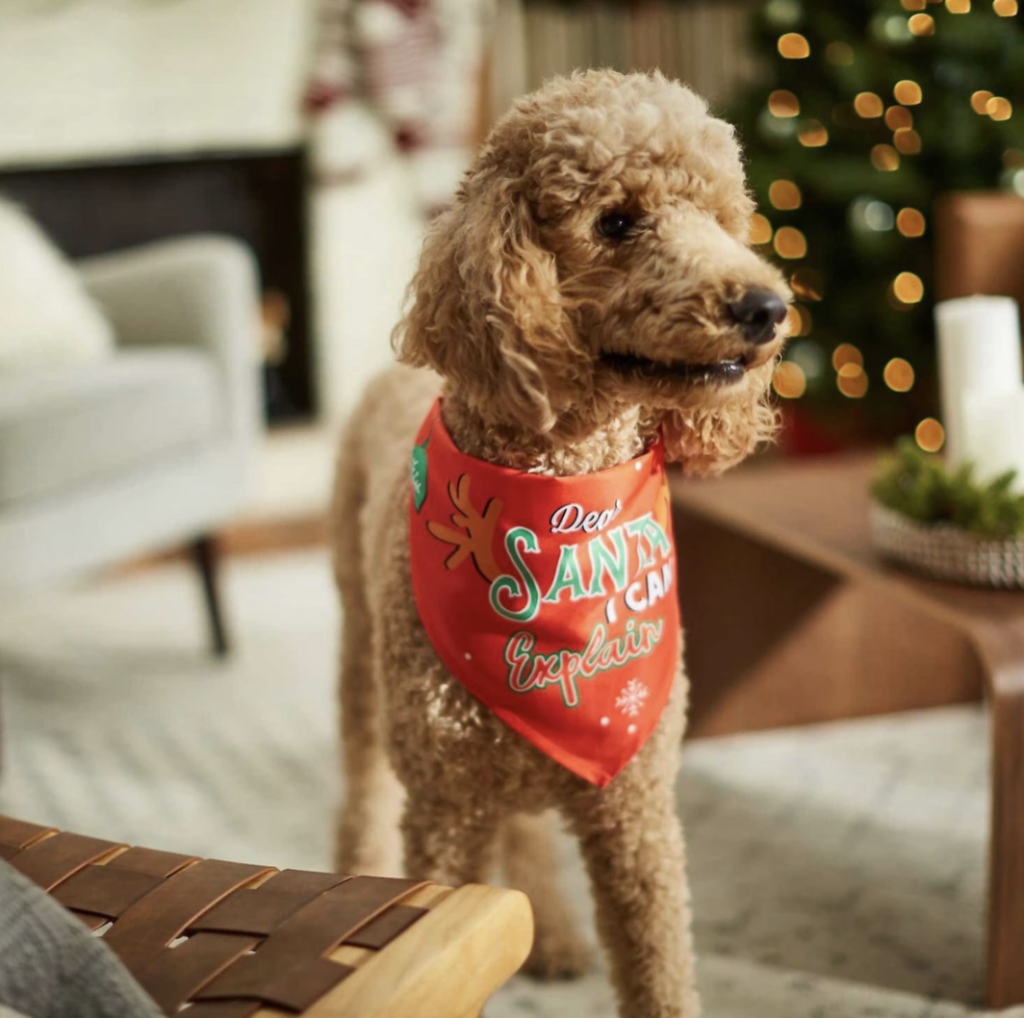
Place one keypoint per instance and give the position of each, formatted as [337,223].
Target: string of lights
[857,129]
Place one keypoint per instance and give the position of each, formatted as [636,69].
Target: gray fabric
[62,427]
[52,967]
[200,291]
[162,504]
[195,297]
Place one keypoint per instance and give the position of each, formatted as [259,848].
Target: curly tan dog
[590,289]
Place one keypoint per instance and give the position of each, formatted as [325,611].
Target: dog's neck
[579,444]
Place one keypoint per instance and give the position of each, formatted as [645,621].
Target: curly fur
[519,305]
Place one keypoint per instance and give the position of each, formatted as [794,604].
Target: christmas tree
[867,110]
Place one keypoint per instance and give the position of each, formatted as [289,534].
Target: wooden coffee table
[791,617]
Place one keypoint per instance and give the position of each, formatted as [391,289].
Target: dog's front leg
[632,844]
[531,865]
[447,841]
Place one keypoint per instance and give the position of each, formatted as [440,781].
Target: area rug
[837,870]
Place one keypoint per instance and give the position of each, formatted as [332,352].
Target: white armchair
[151,447]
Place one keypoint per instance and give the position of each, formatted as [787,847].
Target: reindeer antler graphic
[476,538]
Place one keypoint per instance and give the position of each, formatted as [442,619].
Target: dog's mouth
[632,366]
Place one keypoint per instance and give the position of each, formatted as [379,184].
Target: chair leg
[205,556]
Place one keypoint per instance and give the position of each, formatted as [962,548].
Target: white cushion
[46,317]
[65,428]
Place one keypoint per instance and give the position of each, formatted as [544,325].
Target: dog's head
[596,256]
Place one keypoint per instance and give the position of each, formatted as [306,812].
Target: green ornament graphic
[419,474]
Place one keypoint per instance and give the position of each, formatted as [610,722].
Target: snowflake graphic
[631,700]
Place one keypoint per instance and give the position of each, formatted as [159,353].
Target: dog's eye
[615,225]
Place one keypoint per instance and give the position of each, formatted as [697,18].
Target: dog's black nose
[758,312]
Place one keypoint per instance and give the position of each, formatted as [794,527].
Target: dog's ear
[486,309]
[711,441]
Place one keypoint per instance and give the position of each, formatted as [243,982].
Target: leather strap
[50,861]
[224,938]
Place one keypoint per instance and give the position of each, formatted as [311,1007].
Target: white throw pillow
[46,316]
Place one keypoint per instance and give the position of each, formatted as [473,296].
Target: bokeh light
[798,320]
[910,223]
[783,104]
[999,108]
[979,100]
[783,12]
[793,321]
[897,117]
[885,158]
[793,46]
[874,215]
[789,380]
[908,288]
[809,355]
[921,24]
[839,53]
[907,93]
[760,229]
[790,242]
[907,141]
[914,5]
[813,134]
[785,195]
[958,6]
[891,28]
[846,353]
[1005,8]
[807,283]
[868,104]
[930,435]
[852,381]
[899,375]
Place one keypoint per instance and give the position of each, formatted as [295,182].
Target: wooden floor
[255,538]
[250,538]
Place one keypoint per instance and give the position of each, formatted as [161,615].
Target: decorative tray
[946,552]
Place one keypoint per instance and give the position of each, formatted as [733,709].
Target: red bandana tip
[551,599]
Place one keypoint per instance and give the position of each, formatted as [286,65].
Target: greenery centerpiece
[947,523]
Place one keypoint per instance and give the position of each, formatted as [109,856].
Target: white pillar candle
[995,426]
[979,353]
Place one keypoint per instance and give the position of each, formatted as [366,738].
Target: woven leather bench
[232,940]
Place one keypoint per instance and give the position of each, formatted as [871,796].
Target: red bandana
[551,599]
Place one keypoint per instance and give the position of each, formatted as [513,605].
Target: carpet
[837,870]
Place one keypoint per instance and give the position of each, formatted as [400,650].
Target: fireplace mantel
[117,80]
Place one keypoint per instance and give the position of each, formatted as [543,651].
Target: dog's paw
[558,959]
